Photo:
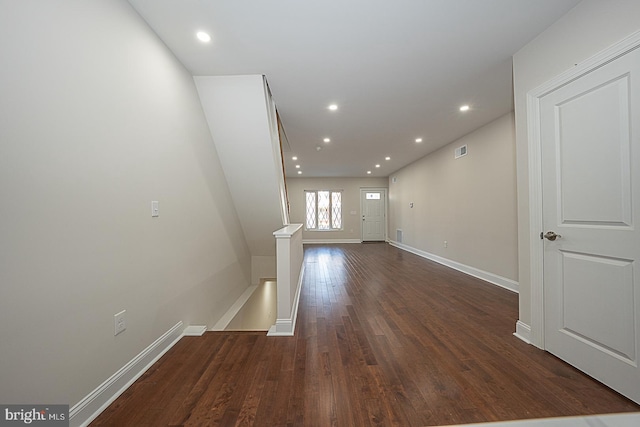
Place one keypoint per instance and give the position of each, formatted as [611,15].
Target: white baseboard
[234,309]
[195,330]
[523,331]
[85,411]
[328,241]
[503,282]
[286,327]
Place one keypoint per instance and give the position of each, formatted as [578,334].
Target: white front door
[590,140]
[373,207]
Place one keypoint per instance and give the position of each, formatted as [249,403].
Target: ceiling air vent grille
[461,151]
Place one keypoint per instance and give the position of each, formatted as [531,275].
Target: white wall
[97,119]
[468,202]
[351,215]
[236,110]
[590,27]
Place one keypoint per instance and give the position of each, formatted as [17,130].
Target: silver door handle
[550,235]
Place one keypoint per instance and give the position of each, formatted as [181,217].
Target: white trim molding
[523,331]
[536,223]
[494,279]
[85,411]
[286,327]
[194,331]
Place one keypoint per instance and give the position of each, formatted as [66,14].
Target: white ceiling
[398,69]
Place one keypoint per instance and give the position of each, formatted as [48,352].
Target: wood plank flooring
[383,338]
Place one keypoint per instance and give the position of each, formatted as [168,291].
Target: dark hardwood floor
[383,337]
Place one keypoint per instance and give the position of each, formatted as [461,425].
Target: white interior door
[373,207]
[590,131]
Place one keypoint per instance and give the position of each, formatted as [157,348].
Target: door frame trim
[384,190]
[536,247]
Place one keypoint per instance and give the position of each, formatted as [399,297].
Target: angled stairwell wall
[242,120]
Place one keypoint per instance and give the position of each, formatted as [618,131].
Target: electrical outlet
[446,243]
[120,322]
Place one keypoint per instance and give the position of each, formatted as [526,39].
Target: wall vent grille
[399,236]
[460,151]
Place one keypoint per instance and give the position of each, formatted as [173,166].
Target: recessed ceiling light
[464,108]
[377,166]
[297,166]
[299,172]
[387,158]
[294,158]
[318,148]
[203,37]
[369,172]
[418,140]
[333,107]
[327,140]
